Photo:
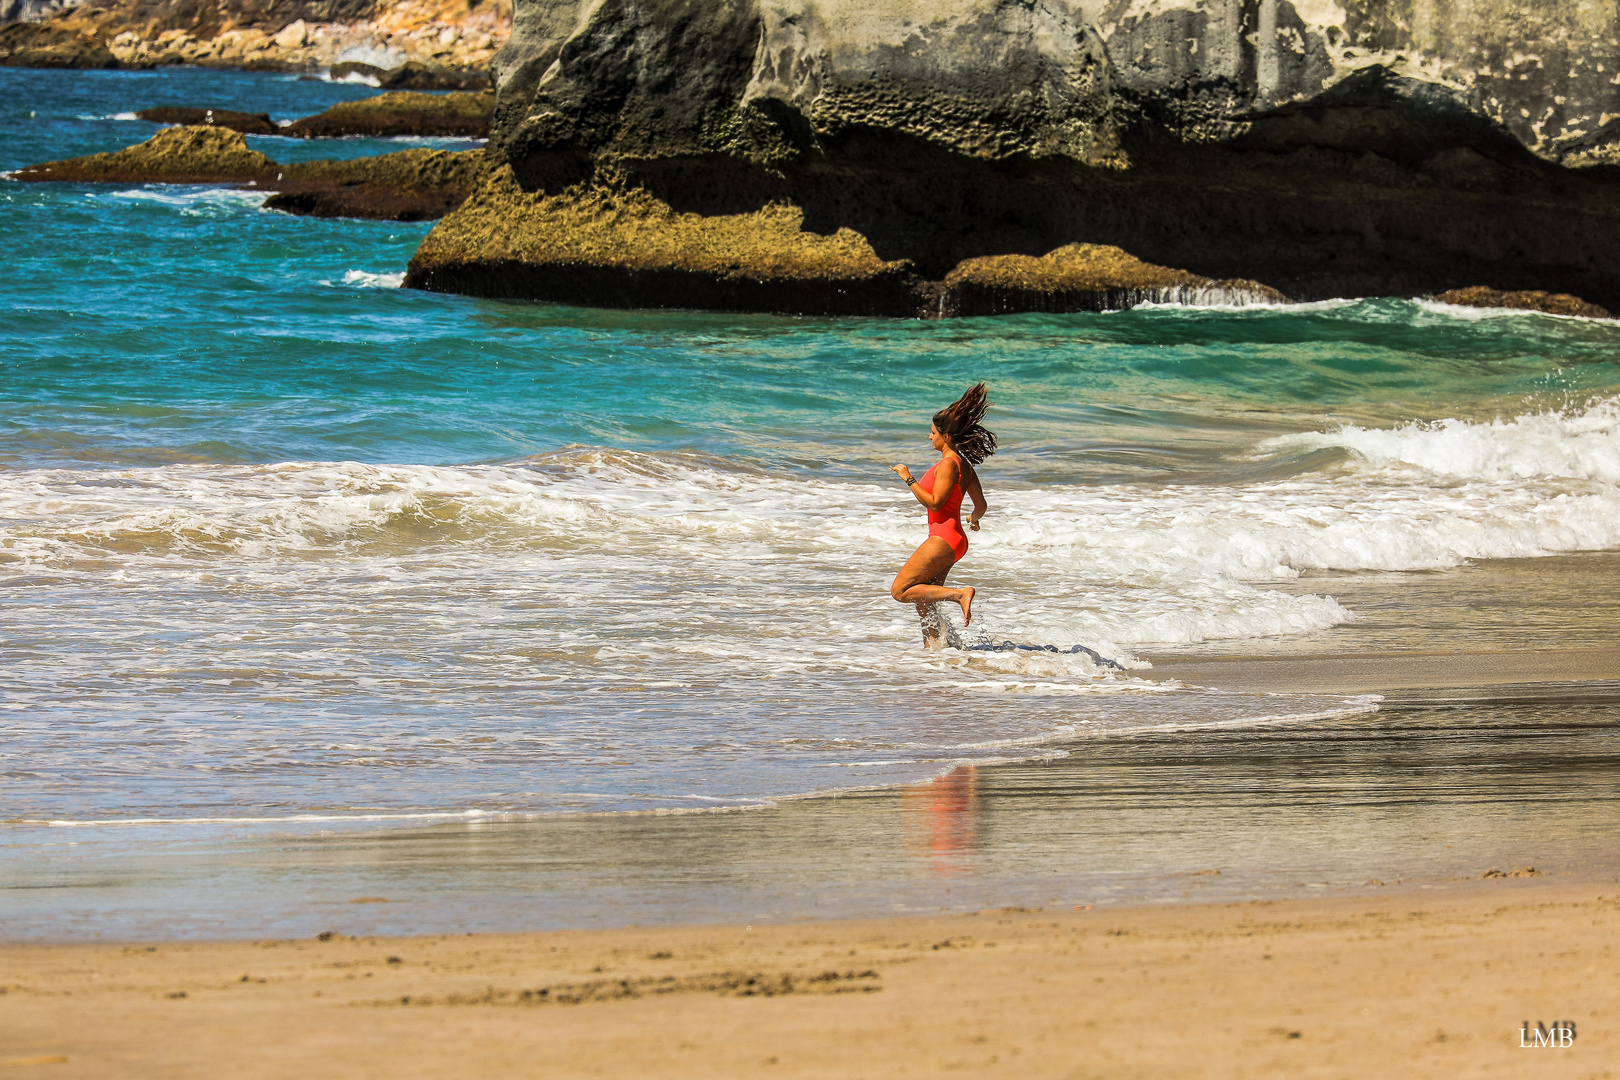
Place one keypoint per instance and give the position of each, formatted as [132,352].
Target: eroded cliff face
[1317,146]
[303,35]
[1544,69]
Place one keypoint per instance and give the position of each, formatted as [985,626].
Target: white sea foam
[365,279]
[1219,299]
[1577,444]
[1472,314]
[191,201]
[657,631]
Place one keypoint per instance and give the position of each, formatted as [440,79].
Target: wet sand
[1493,623]
[1416,985]
[1381,672]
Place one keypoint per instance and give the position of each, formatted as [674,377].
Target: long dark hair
[959,422]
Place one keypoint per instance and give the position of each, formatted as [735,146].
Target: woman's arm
[976,493]
[944,479]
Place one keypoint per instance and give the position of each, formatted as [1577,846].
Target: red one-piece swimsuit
[946,522]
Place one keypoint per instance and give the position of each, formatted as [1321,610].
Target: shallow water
[1432,792]
[282,543]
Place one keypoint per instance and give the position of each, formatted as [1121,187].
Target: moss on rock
[180,155]
[600,244]
[1084,277]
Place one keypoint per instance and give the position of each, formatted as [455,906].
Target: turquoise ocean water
[283,543]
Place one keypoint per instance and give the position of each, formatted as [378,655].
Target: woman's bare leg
[921,581]
[928,616]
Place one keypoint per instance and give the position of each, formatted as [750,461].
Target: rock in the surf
[624,247]
[184,116]
[180,155]
[412,185]
[1525,300]
[349,70]
[412,75]
[1084,277]
[417,76]
[401,113]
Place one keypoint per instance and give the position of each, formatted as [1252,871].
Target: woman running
[962,442]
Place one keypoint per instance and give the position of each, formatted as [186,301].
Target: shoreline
[1459,672]
[1416,984]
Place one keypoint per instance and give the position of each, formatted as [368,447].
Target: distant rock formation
[411,76]
[1380,147]
[182,116]
[1531,300]
[401,113]
[39,46]
[278,35]
[412,185]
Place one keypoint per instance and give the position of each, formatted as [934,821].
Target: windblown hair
[960,421]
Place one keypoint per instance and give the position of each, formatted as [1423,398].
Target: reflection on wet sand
[940,821]
[1432,791]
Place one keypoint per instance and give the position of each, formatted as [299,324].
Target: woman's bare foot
[967,605]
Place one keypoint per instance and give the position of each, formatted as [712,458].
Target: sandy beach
[1420,984]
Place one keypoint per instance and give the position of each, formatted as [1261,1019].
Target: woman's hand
[973,521]
[902,472]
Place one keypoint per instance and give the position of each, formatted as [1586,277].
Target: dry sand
[1432,984]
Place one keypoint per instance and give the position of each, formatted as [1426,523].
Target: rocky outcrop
[1324,150]
[182,116]
[401,113]
[413,185]
[37,46]
[182,155]
[278,35]
[1084,277]
[1552,303]
[412,76]
[626,248]
[623,247]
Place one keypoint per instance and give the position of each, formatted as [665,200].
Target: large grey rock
[1322,147]
[1032,77]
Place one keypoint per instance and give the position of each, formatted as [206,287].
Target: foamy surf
[1578,444]
[191,202]
[1474,314]
[365,279]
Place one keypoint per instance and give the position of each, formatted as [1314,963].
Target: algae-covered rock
[1085,277]
[181,155]
[594,244]
[401,113]
[186,116]
[1526,300]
